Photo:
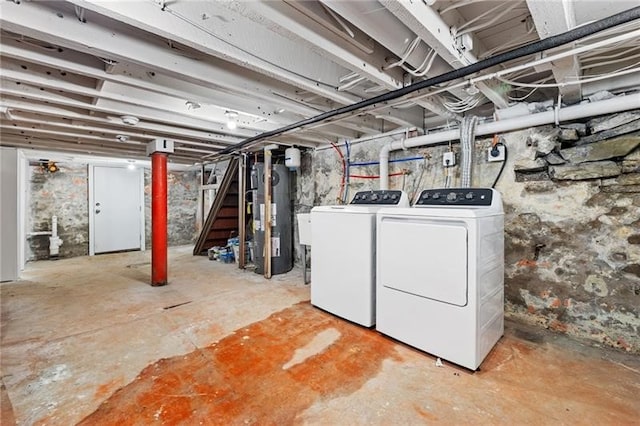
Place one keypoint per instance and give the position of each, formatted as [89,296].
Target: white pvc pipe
[609,106]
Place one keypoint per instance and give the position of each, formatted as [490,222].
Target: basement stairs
[222,220]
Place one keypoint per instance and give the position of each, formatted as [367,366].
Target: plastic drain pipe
[609,106]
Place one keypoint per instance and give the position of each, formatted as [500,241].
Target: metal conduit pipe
[526,50]
[609,106]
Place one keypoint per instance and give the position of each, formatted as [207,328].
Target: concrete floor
[86,340]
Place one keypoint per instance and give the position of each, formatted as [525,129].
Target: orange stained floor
[87,341]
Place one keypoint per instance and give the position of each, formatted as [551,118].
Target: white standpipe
[54,241]
[609,106]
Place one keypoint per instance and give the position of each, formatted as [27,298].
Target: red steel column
[158,218]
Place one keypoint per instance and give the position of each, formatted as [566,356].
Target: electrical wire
[613,61]
[489,22]
[463,105]
[460,4]
[622,71]
[502,166]
[460,73]
[426,64]
[408,51]
[178,15]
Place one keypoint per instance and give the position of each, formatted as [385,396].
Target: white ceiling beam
[147,128]
[36,20]
[551,18]
[286,19]
[426,23]
[387,30]
[228,39]
[137,77]
[143,129]
[8,87]
[175,107]
[23,142]
[186,75]
[51,122]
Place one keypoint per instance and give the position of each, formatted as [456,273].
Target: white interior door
[9,214]
[116,208]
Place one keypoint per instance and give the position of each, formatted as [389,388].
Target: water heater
[281,226]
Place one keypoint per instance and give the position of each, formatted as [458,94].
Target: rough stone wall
[572,223]
[182,198]
[65,195]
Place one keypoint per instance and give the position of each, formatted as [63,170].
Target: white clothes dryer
[440,276]
[343,257]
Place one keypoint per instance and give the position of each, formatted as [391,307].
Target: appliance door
[425,257]
[342,264]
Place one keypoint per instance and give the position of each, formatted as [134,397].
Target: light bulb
[231,124]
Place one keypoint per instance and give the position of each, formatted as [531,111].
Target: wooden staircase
[222,220]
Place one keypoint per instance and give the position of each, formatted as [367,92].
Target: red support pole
[158,218]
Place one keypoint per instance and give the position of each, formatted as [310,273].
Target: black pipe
[529,49]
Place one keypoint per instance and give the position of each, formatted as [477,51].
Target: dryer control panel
[455,197]
[379,197]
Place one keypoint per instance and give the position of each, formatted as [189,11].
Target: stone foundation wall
[572,218]
[182,197]
[65,194]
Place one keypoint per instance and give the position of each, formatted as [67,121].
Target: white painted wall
[9,224]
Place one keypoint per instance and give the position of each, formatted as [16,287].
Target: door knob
[97,211]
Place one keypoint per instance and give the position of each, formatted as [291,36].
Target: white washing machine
[343,257]
[440,277]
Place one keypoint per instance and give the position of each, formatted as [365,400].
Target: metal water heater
[281,226]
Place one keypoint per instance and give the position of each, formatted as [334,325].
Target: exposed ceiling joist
[429,26]
[552,18]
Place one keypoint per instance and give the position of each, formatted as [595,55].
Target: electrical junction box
[449,159]
[497,155]
[160,145]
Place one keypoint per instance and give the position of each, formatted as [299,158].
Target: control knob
[452,196]
[469,196]
[436,196]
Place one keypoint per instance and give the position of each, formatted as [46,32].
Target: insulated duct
[467,140]
[526,50]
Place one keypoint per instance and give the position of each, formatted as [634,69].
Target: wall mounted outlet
[496,153]
[449,159]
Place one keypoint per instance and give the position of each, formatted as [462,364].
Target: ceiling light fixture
[122,138]
[129,120]
[192,105]
[232,117]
